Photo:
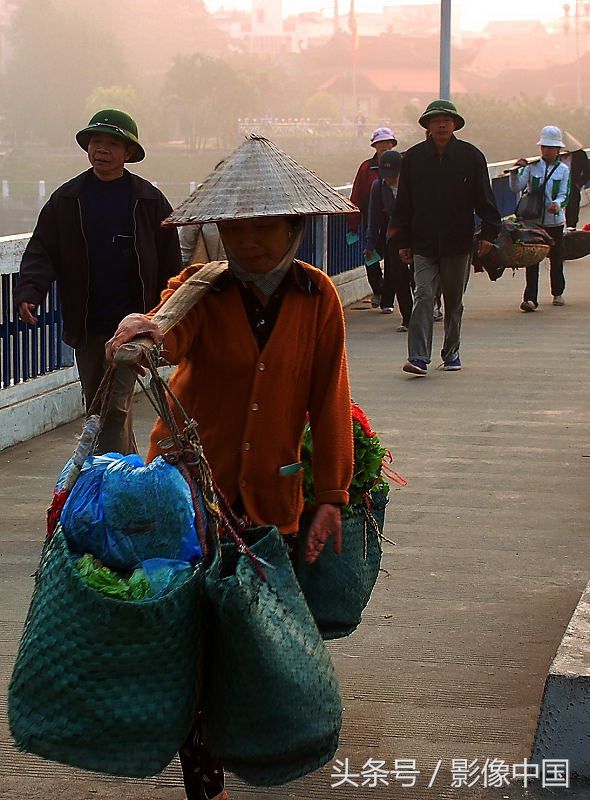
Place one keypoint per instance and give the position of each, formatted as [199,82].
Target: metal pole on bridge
[445,49]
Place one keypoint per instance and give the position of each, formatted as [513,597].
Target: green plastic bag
[338,587]
[272,708]
[104,684]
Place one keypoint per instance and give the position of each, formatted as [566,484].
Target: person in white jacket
[551,175]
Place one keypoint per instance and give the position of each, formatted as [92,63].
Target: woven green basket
[104,684]
[272,708]
[337,588]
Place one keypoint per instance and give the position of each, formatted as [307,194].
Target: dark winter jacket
[361,188]
[58,251]
[579,169]
[437,198]
[381,207]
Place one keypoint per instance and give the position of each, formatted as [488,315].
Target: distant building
[264,31]
[259,31]
[389,73]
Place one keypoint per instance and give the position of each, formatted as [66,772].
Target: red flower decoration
[359,415]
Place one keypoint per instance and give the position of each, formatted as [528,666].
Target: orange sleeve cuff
[337,497]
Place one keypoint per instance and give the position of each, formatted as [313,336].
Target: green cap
[117,123]
[438,107]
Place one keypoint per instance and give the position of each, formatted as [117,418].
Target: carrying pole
[445,49]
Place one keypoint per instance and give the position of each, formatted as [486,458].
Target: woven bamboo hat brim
[259,180]
[571,143]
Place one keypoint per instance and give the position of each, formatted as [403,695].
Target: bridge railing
[28,352]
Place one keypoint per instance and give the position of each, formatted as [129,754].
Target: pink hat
[383,135]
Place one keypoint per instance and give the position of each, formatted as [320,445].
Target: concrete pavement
[490,559]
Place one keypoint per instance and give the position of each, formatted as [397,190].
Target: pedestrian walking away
[443,182]
[99,237]
[549,178]
[277,323]
[382,139]
[396,279]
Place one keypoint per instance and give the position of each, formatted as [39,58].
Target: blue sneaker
[452,366]
[415,366]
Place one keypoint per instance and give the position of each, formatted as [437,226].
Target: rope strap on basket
[184,451]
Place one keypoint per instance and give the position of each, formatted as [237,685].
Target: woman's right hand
[130,328]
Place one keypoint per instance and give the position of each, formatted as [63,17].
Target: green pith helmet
[117,123]
[438,107]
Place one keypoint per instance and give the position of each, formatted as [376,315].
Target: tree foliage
[210,94]
[124,97]
[59,56]
[320,106]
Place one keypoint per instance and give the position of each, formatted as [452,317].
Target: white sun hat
[383,135]
[551,137]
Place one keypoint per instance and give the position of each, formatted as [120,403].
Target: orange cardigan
[251,406]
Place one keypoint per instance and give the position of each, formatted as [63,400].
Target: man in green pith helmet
[443,183]
[99,237]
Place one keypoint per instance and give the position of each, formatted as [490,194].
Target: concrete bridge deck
[490,559]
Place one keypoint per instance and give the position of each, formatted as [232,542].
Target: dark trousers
[531,289]
[117,431]
[375,278]
[396,282]
[572,210]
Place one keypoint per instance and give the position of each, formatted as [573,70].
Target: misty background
[316,83]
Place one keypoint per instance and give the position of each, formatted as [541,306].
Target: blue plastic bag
[124,512]
[165,574]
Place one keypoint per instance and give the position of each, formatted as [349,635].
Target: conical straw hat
[259,180]
[571,143]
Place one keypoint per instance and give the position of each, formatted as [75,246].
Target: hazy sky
[474,13]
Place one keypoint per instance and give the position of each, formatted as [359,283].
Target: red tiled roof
[402,79]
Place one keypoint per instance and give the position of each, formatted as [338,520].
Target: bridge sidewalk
[490,558]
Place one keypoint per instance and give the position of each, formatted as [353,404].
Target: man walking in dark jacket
[443,181]
[99,236]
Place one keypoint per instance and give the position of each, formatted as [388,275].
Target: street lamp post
[445,49]
[578,75]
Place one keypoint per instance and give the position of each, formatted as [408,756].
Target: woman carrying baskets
[547,184]
[259,353]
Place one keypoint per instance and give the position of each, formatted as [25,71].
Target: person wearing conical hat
[579,166]
[99,237]
[263,350]
[443,182]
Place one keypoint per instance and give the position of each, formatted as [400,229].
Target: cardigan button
[243,483]
[247,445]
[255,406]
[261,366]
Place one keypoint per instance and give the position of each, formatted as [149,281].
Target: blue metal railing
[343,257]
[308,249]
[28,351]
[505,198]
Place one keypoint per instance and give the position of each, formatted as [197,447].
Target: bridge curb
[563,730]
